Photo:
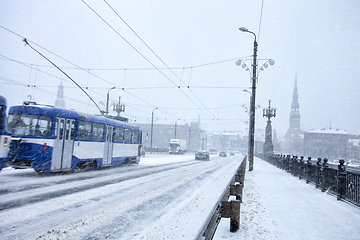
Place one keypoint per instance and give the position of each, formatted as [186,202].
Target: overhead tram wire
[157,57]
[150,61]
[56,55]
[138,51]
[161,60]
[27,43]
[65,80]
[37,88]
[72,64]
[261,13]
[123,69]
[28,65]
[104,79]
[142,55]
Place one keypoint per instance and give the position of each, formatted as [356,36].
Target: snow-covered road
[165,196]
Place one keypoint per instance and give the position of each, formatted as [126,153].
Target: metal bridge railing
[340,180]
[224,208]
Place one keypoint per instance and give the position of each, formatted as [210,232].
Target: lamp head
[243,29]
[271,62]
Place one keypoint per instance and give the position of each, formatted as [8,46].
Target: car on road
[213,151]
[222,154]
[202,154]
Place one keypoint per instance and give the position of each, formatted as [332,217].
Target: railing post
[318,173]
[295,166]
[308,168]
[288,163]
[325,175]
[301,172]
[279,159]
[231,210]
[292,162]
[341,179]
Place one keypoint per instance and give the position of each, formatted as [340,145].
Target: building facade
[327,143]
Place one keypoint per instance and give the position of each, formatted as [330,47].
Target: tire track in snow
[138,209]
[64,187]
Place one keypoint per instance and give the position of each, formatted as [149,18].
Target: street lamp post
[152,128]
[107,100]
[176,127]
[252,104]
[252,100]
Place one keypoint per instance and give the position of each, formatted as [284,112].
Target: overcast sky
[191,44]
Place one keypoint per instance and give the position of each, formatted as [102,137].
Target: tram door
[63,144]
[108,146]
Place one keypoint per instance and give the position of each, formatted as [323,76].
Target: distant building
[223,141]
[353,150]
[162,134]
[294,137]
[60,102]
[327,143]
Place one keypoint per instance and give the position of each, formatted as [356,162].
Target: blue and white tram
[4,135]
[50,139]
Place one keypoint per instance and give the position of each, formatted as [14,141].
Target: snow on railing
[225,208]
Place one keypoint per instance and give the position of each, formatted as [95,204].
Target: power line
[262,6]
[157,57]
[133,69]
[149,60]
[198,107]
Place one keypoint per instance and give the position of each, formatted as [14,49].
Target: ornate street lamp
[269,113]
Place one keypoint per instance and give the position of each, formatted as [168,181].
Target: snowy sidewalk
[277,205]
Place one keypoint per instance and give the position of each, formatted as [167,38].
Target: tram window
[61,130]
[135,138]
[22,124]
[98,132]
[56,128]
[119,135]
[84,130]
[67,129]
[127,136]
[72,130]
[44,126]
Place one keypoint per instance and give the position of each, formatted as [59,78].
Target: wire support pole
[252,108]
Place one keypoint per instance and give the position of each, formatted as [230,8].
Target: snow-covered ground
[167,197]
[277,205]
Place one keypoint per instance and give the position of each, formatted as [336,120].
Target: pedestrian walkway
[277,205]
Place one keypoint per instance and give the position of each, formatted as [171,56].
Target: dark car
[222,154]
[202,154]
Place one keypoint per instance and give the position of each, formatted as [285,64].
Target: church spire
[295,113]
[59,102]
